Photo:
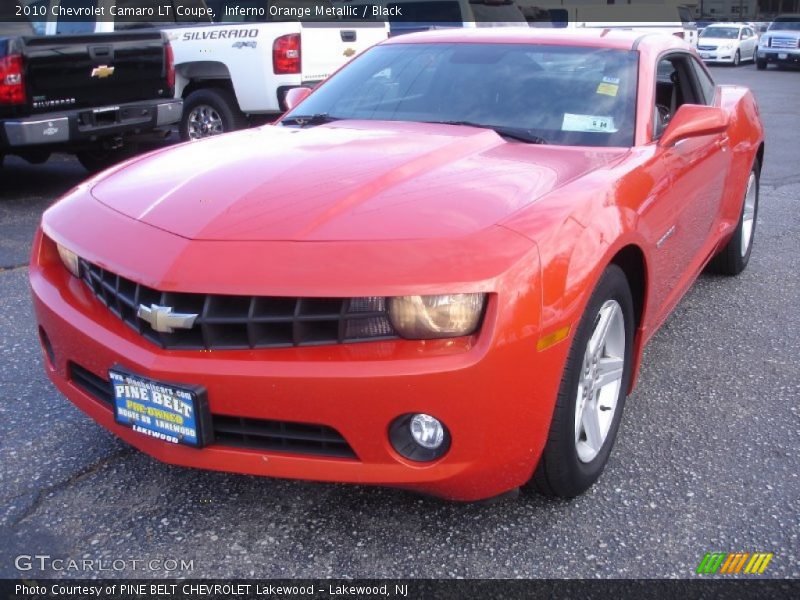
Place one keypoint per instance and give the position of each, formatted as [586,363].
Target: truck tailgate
[94,70]
[326,46]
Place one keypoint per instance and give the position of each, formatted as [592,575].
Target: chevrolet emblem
[102,71]
[162,319]
[349,52]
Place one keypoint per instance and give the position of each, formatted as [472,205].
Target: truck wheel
[35,156]
[761,64]
[210,112]
[100,158]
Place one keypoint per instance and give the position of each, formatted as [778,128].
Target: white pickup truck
[235,71]
[229,72]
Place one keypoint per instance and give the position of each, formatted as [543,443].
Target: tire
[735,255]
[100,158]
[761,65]
[570,464]
[208,112]
[737,59]
[34,156]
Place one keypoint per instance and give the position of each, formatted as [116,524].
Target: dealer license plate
[164,411]
[783,56]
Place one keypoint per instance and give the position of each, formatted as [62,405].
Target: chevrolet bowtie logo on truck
[102,71]
[349,52]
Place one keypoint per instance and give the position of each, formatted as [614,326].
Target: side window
[676,84]
[707,85]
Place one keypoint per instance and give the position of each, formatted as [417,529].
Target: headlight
[428,317]
[70,260]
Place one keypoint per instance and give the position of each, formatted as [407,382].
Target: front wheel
[733,258]
[737,58]
[592,393]
[761,64]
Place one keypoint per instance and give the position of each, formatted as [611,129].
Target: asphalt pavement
[706,459]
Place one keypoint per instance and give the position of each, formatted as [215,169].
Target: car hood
[787,33]
[718,41]
[349,180]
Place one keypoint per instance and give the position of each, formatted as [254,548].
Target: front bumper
[88,125]
[720,56]
[496,396]
[779,57]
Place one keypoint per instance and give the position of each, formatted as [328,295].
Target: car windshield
[785,25]
[575,96]
[720,33]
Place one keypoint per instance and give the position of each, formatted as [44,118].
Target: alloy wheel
[749,214]
[204,121]
[600,381]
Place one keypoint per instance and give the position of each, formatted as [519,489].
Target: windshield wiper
[303,120]
[515,133]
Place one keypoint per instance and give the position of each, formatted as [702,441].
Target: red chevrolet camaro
[438,271]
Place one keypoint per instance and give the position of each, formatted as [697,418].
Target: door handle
[101,52]
[722,142]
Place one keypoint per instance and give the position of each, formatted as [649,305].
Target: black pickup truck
[91,95]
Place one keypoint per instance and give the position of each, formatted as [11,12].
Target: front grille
[787,43]
[706,48]
[243,322]
[257,434]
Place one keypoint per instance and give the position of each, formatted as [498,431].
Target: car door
[751,41]
[697,169]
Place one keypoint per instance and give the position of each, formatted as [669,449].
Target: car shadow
[20,179]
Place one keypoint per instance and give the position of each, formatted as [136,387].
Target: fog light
[419,437]
[427,431]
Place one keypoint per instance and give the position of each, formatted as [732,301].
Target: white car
[728,43]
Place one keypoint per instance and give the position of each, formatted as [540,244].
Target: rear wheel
[101,157]
[733,258]
[592,393]
[208,112]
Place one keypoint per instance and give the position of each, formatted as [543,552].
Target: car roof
[621,39]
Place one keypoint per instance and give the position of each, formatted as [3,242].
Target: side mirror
[295,96]
[694,120]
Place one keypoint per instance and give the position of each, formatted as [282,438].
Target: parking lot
[706,459]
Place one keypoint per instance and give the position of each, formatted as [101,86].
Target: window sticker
[608,89]
[588,123]
[609,86]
